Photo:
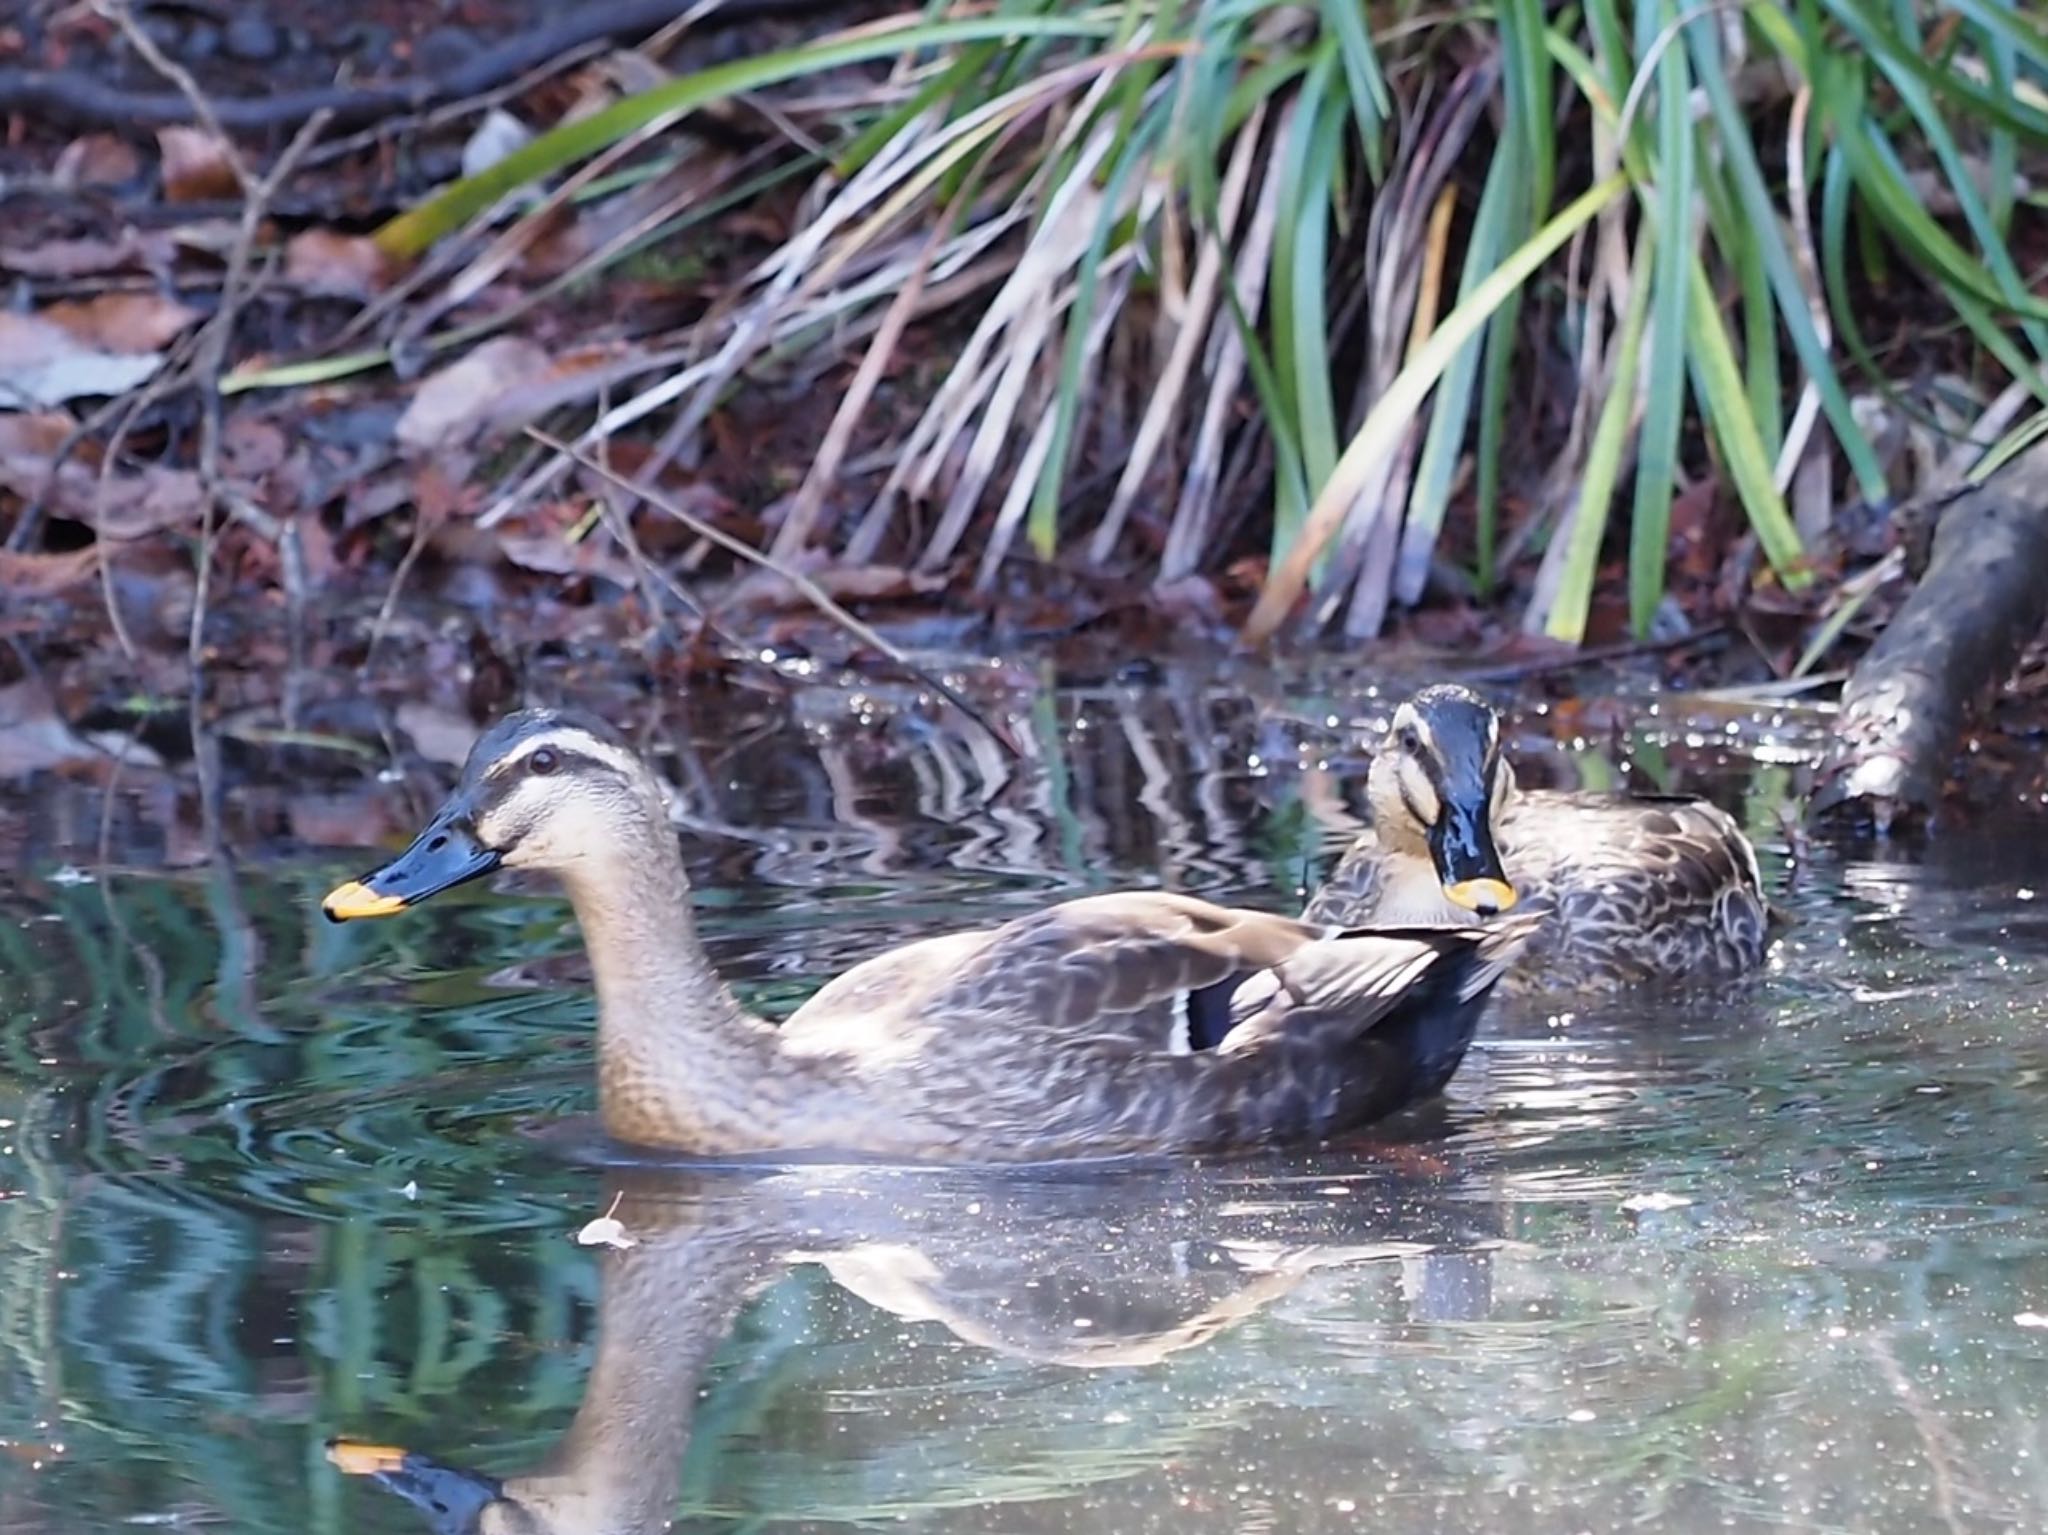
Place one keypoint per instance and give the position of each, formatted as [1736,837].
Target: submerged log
[1983,597]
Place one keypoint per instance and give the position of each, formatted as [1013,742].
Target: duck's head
[1436,786]
[541,790]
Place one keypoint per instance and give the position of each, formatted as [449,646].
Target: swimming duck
[1105,1026]
[1628,889]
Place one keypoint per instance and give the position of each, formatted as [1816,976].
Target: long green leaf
[1043,523]
[1671,227]
[1748,178]
[1394,412]
[1301,332]
[449,209]
[1451,413]
[1371,103]
[1742,444]
[1573,600]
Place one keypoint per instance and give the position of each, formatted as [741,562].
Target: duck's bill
[446,854]
[449,1496]
[1461,843]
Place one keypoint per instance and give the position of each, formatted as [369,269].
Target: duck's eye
[1410,739]
[544,761]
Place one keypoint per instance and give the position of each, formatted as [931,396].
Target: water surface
[1767,1262]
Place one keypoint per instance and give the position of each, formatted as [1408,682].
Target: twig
[77,98]
[816,595]
[118,12]
[421,531]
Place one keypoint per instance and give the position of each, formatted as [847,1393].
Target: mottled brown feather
[1629,890]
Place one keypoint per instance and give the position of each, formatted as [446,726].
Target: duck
[1131,1023]
[1627,889]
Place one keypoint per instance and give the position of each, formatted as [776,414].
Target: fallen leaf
[251,447]
[453,405]
[337,265]
[853,583]
[197,166]
[33,739]
[97,160]
[42,364]
[88,258]
[45,575]
[550,554]
[498,135]
[607,1232]
[439,735]
[122,506]
[124,322]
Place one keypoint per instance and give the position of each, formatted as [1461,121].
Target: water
[1768,1263]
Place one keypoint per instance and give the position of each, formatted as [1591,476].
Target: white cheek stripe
[1179,1038]
[579,741]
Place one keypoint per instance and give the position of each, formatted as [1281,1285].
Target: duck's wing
[1149,971]
[1644,886]
[1688,850]
[1352,892]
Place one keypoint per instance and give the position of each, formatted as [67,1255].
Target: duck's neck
[680,1062]
[1411,894]
[664,1310]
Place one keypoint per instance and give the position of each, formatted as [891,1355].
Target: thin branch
[816,595]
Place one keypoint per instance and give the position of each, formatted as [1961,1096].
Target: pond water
[1775,1261]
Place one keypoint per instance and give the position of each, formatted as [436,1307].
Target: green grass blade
[1525,80]
[1366,87]
[1300,262]
[1429,498]
[1719,381]
[1394,412]
[1670,226]
[449,209]
[1042,524]
[1747,176]
[2009,447]
[1574,598]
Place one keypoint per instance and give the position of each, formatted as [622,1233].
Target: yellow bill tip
[1482,894]
[353,1459]
[345,903]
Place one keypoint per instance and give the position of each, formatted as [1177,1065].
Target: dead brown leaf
[197,166]
[437,734]
[124,322]
[97,160]
[45,575]
[34,739]
[856,583]
[124,506]
[340,266]
[550,554]
[89,258]
[458,402]
[42,364]
[252,447]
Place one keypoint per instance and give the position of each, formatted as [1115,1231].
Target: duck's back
[1637,888]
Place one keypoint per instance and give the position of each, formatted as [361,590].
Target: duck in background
[1626,889]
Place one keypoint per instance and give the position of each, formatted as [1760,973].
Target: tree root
[1984,596]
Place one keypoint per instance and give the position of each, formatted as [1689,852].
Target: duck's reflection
[1080,1271]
